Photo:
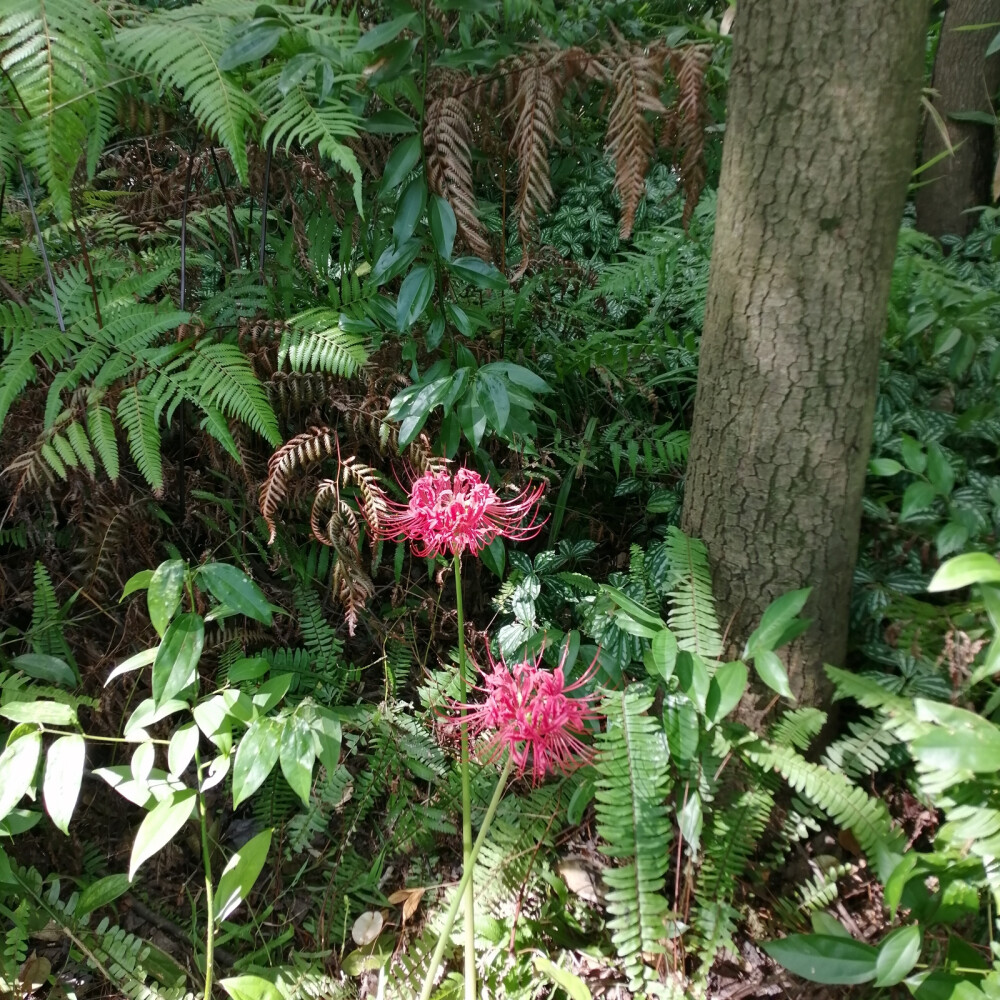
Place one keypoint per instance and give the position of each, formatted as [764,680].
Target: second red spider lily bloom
[452,513]
[531,712]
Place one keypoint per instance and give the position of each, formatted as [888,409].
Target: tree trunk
[821,128]
[965,80]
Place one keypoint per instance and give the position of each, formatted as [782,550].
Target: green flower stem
[470,893]
[449,920]
[206,857]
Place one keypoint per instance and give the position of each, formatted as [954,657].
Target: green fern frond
[221,374]
[46,630]
[181,48]
[631,790]
[293,121]
[102,435]
[137,414]
[314,341]
[845,803]
[864,750]
[692,606]
[798,728]
[53,67]
[731,838]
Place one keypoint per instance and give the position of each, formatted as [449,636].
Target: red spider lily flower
[529,711]
[448,513]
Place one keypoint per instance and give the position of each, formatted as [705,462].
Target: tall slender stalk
[449,919]
[470,893]
[206,859]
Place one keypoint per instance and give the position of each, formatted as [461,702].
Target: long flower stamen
[448,513]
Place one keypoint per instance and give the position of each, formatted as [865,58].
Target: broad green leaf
[255,758]
[637,611]
[163,594]
[569,982]
[965,570]
[160,826]
[951,538]
[44,713]
[183,744]
[409,209]
[297,756]
[18,764]
[385,32]
[775,620]
[494,557]
[63,774]
[664,653]
[917,497]
[414,294]
[250,988]
[176,665]
[240,873]
[478,273]
[248,668]
[689,821]
[138,581]
[401,161]
[692,675]
[772,672]
[100,893]
[148,712]
[46,668]
[939,470]
[388,121]
[137,662]
[949,749]
[229,585]
[728,684]
[897,955]
[441,217]
[256,40]
[823,923]
[884,467]
[825,958]
[680,722]
[994,45]
[268,695]
[913,454]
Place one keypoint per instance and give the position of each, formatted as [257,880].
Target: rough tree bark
[965,80]
[820,132]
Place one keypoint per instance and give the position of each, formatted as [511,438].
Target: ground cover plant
[374,616]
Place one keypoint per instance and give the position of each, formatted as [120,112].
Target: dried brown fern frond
[341,530]
[311,446]
[688,66]
[448,144]
[536,100]
[374,502]
[636,75]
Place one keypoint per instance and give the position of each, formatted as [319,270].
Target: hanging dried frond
[688,66]
[448,143]
[636,75]
[536,100]
[374,502]
[311,446]
[341,530]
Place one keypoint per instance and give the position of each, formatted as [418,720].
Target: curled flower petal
[529,712]
[448,513]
